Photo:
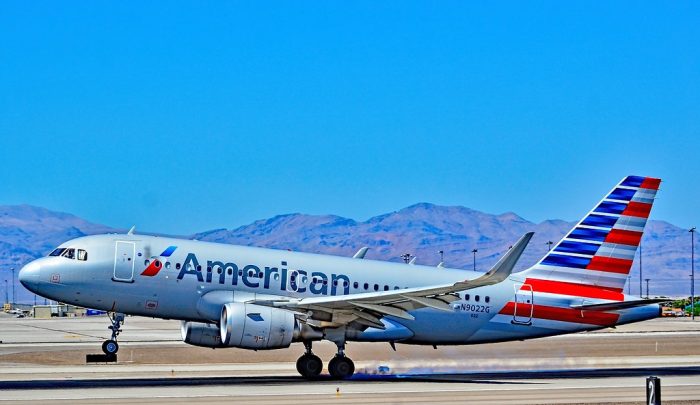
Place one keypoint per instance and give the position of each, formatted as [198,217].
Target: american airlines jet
[254,298]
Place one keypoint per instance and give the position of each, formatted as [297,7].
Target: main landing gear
[340,367]
[309,365]
[111,346]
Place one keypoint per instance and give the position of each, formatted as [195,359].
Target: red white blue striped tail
[598,252]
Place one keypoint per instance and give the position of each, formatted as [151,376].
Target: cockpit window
[69,253]
[57,252]
[82,254]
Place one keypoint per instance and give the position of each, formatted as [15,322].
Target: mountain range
[422,230]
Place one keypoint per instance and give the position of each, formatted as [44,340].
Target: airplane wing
[368,308]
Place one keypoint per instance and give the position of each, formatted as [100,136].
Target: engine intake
[258,327]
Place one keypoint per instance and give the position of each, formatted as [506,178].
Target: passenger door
[524,306]
[124,261]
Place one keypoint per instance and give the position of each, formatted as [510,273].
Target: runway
[43,360]
[550,387]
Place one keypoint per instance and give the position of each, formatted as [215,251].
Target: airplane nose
[29,275]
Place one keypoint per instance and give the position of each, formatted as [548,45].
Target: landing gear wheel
[341,367]
[309,365]
[110,347]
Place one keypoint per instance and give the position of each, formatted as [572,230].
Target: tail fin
[599,250]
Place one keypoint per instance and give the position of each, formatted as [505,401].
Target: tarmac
[44,360]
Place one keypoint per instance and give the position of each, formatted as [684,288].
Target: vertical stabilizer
[596,256]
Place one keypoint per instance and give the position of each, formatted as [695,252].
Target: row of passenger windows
[70,253]
[314,280]
[477,298]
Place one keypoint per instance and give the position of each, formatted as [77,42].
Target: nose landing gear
[111,346]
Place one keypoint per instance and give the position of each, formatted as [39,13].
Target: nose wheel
[111,346]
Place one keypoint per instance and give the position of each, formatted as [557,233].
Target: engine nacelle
[258,327]
[201,334]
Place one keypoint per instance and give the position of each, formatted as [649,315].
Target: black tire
[309,366]
[341,368]
[110,347]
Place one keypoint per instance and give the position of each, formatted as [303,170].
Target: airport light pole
[549,244]
[692,272]
[442,256]
[7,300]
[629,285]
[474,252]
[640,268]
[647,280]
[13,287]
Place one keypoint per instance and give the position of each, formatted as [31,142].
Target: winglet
[131,231]
[361,253]
[502,269]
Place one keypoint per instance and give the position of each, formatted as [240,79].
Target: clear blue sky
[185,116]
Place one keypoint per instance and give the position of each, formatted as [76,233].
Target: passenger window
[146,262]
[466,297]
[82,254]
[177,266]
[167,265]
[476,298]
[376,287]
[487,299]
[366,286]
[355,284]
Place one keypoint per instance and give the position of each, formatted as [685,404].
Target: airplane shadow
[504,377]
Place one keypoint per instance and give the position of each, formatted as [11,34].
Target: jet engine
[201,334]
[258,327]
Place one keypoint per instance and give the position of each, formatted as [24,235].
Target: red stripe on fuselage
[637,209]
[562,314]
[610,264]
[624,237]
[574,289]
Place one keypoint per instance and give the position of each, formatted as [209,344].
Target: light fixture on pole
[442,255]
[549,244]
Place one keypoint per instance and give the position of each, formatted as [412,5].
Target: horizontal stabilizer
[614,306]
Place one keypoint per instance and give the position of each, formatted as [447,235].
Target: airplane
[261,299]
